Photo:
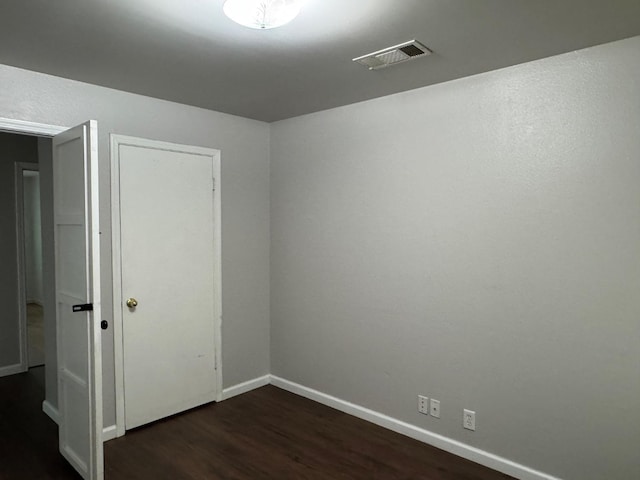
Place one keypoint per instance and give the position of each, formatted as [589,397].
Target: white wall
[475,241]
[13,149]
[245,202]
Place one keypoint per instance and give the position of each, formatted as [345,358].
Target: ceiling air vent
[393,55]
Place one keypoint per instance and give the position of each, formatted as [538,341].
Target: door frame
[19,168]
[116,141]
[24,127]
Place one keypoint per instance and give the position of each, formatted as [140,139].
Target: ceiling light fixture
[262,14]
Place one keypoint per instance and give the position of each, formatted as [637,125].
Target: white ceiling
[187,50]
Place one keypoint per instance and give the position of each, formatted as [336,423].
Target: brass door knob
[132,303]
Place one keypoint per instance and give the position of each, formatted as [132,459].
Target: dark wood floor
[264,434]
[28,438]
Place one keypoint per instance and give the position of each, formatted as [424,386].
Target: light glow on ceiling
[262,14]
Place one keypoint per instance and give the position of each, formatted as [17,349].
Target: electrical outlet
[434,409]
[423,404]
[469,419]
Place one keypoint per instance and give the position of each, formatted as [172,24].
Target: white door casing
[77,266]
[166,253]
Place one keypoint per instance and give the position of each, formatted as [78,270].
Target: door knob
[132,303]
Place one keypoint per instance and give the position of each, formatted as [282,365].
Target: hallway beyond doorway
[35,335]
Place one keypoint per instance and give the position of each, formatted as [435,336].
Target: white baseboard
[11,370]
[245,387]
[50,410]
[444,443]
[108,433]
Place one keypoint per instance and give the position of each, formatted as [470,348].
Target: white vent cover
[393,55]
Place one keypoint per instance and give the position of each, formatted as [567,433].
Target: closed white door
[77,265]
[167,247]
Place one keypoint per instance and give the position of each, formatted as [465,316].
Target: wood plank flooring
[28,438]
[264,434]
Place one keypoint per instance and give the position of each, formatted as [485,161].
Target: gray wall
[32,237]
[478,242]
[13,148]
[45,159]
[245,201]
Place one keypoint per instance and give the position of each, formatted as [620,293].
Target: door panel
[167,258]
[77,264]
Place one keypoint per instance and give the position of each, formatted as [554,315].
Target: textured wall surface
[245,201]
[477,242]
[13,148]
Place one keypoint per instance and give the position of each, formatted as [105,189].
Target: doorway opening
[28,340]
[72,386]
[22,323]
[29,262]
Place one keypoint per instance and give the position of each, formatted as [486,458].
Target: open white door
[77,263]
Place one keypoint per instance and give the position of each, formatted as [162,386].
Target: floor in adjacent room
[264,434]
[35,334]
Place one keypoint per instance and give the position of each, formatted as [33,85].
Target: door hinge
[83,307]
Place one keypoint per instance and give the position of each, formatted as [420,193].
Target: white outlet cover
[423,404]
[435,408]
[469,419]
